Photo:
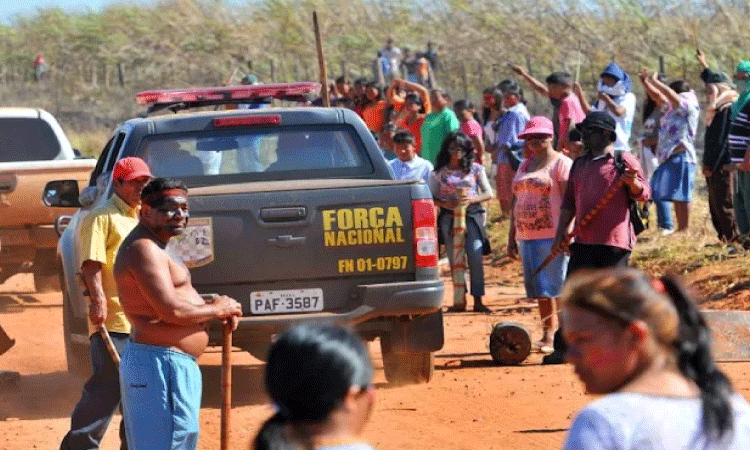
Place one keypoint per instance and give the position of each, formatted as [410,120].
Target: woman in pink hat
[538,188]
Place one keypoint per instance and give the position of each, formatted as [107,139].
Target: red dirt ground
[470,404]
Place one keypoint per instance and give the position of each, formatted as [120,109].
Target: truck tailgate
[21,186]
[301,233]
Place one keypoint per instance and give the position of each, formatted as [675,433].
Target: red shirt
[590,180]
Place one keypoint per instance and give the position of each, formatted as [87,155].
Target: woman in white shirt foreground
[644,343]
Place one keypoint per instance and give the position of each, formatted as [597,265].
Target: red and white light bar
[279,91]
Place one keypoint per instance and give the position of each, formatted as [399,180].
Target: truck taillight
[425,233]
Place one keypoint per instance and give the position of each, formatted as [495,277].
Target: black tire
[77,356]
[45,270]
[406,368]
[510,343]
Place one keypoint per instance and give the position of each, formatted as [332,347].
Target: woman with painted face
[645,346]
[456,169]
[674,178]
[614,97]
[319,377]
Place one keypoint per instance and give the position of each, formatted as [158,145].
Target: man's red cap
[130,168]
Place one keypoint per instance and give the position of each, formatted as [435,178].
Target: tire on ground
[510,343]
[406,368]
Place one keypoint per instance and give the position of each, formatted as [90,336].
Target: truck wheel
[77,356]
[406,368]
[46,278]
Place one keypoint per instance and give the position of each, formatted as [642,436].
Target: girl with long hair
[643,343]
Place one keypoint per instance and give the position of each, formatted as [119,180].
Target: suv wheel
[406,368]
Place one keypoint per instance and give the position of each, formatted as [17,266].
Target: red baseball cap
[130,168]
[538,125]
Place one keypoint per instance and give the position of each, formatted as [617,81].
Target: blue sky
[10,8]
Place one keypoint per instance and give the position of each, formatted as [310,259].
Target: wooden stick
[110,345]
[458,269]
[226,384]
[579,226]
[321,63]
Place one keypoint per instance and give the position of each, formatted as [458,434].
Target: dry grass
[89,143]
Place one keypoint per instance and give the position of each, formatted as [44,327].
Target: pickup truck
[33,151]
[295,213]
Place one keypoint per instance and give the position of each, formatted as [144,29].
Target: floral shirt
[539,196]
[678,126]
[444,182]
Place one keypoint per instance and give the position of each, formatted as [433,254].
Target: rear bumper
[377,306]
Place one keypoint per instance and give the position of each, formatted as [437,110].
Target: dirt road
[470,403]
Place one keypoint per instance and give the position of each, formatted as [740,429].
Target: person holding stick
[605,235]
[319,378]
[101,233]
[642,344]
[457,179]
[160,380]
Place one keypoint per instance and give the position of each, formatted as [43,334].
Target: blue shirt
[417,168]
[509,126]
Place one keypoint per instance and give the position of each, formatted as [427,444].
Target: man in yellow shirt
[102,232]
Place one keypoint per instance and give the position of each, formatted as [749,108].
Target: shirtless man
[160,380]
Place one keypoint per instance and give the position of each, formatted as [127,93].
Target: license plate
[286,301]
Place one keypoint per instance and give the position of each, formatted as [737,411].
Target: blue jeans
[99,399]
[664,214]
[161,397]
[473,252]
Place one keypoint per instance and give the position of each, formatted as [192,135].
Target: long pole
[321,63]
[110,345]
[458,269]
[579,226]
[226,384]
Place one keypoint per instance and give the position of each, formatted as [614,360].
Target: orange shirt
[416,129]
[374,115]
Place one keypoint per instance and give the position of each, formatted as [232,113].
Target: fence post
[464,79]
[661,64]
[273,70]
[120,74]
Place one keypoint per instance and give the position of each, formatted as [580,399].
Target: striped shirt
[739,134]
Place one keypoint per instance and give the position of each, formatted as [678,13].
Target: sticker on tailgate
[362,226]
[195,247]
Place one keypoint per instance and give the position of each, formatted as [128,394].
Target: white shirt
[624,122]
[417,168]
[630,421]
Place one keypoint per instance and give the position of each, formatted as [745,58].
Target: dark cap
[559,78]
[598,119]
[403,137]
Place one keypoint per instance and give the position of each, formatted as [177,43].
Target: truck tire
[406,368]
[46,278]
[77,356]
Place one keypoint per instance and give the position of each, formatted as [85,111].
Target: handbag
[634,211]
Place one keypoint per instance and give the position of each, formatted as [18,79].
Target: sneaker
[666,231]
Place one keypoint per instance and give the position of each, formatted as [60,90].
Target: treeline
[97,61]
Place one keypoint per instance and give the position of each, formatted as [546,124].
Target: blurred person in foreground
[159,377]
[717,163]
[319,378]
[645,346]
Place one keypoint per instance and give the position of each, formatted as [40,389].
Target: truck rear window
[278,153]
[27,139]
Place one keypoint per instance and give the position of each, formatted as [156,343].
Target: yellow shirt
[102,232]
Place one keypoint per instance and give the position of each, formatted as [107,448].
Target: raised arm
[391,95]
[701,57]
[669,94]
[578,90]
[653,93]
[424,94]
[536,84]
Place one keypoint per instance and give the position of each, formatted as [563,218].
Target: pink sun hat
[537,125]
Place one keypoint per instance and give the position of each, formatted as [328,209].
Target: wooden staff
[226,384]
[321,63]
[579,226]
[458,269]
[110,345]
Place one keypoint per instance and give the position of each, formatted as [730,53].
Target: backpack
[634,210]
